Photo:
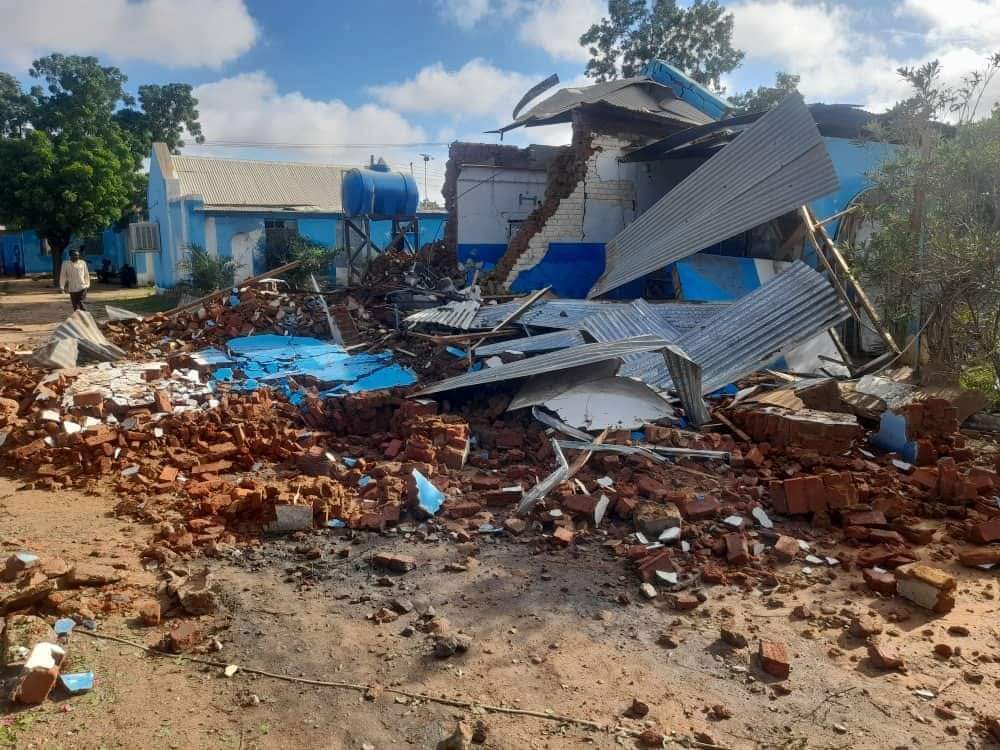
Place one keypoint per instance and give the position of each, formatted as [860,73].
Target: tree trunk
[56,246]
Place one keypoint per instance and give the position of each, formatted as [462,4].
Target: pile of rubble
[253,309]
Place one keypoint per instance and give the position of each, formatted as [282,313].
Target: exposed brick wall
[461,153]
[566,223]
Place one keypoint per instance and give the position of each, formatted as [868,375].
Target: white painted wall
[211,238]
[489,198]
[600,206]
[242,248]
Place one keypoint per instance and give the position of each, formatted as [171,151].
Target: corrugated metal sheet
[578,356]
[774,167]
[242,184]
[627,321]
[642,95]
[637,318]
[453,315]
[565,314]
[686,376]
[789,309]
[92,344]
[547,342]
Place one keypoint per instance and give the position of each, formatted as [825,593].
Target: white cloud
[174,33]
[827,44]
[553,26]
[477,89]
[464,13]
[957,21]
[250,111]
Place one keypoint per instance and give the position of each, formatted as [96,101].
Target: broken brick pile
[258,310]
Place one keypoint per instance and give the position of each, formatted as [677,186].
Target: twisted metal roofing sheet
[791,308]
[565,314]
[454,315]
[544,343]
[774,167]
[565,359]
[625,321]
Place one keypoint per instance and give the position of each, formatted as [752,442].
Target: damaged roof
[776,166]
[640,95]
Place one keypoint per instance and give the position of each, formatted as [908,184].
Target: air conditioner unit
[144,237]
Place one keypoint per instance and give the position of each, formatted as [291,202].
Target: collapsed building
[563,217]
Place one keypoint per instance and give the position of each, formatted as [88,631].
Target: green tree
[936,256]
[64,184]
[697,39]
[76,168]
[764,98]
[166,111]
[14,105]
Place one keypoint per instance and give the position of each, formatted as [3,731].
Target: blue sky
[335,81]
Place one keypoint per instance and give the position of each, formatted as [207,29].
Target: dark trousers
[78,299]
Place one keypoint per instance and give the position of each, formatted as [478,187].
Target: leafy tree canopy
[71,149]
[764,98]
[697,39]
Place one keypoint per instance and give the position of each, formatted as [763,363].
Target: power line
[261,144]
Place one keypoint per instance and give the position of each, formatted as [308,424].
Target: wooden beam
[222,292]
[838,258]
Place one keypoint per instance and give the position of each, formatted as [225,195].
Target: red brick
[947,478]
[973,556]
[840,490]
[704,509]
[986,532]
[737,551]
[883,655]
[563,535]
[865,518]
[658,560]
[881,582]
[90,398]
[395,563]
[786,548]
[778,500]
[649,487]
[223,450]
[100,437]
[774,658]
[581,505]
[462,509]
[805,494]
[885,536]
[625,507]
[213,468]
[393,448]
[161,401]
[168,474]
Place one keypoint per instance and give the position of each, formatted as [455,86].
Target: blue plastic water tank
[368,192]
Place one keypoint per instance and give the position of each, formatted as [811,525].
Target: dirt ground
[554,630]
[34,306]
[550,633]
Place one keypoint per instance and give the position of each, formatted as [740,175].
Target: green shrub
[316,258]
[207,273]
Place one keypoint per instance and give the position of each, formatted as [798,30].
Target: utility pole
[427,158]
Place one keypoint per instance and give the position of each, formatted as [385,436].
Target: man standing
[74,278]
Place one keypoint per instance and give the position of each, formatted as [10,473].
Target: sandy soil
[35,307]
[554,630]
[550,633]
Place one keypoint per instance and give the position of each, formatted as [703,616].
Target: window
[144,237]
[277,232]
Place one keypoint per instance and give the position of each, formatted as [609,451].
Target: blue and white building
[231,207]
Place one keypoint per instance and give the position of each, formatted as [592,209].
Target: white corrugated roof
[245,183]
